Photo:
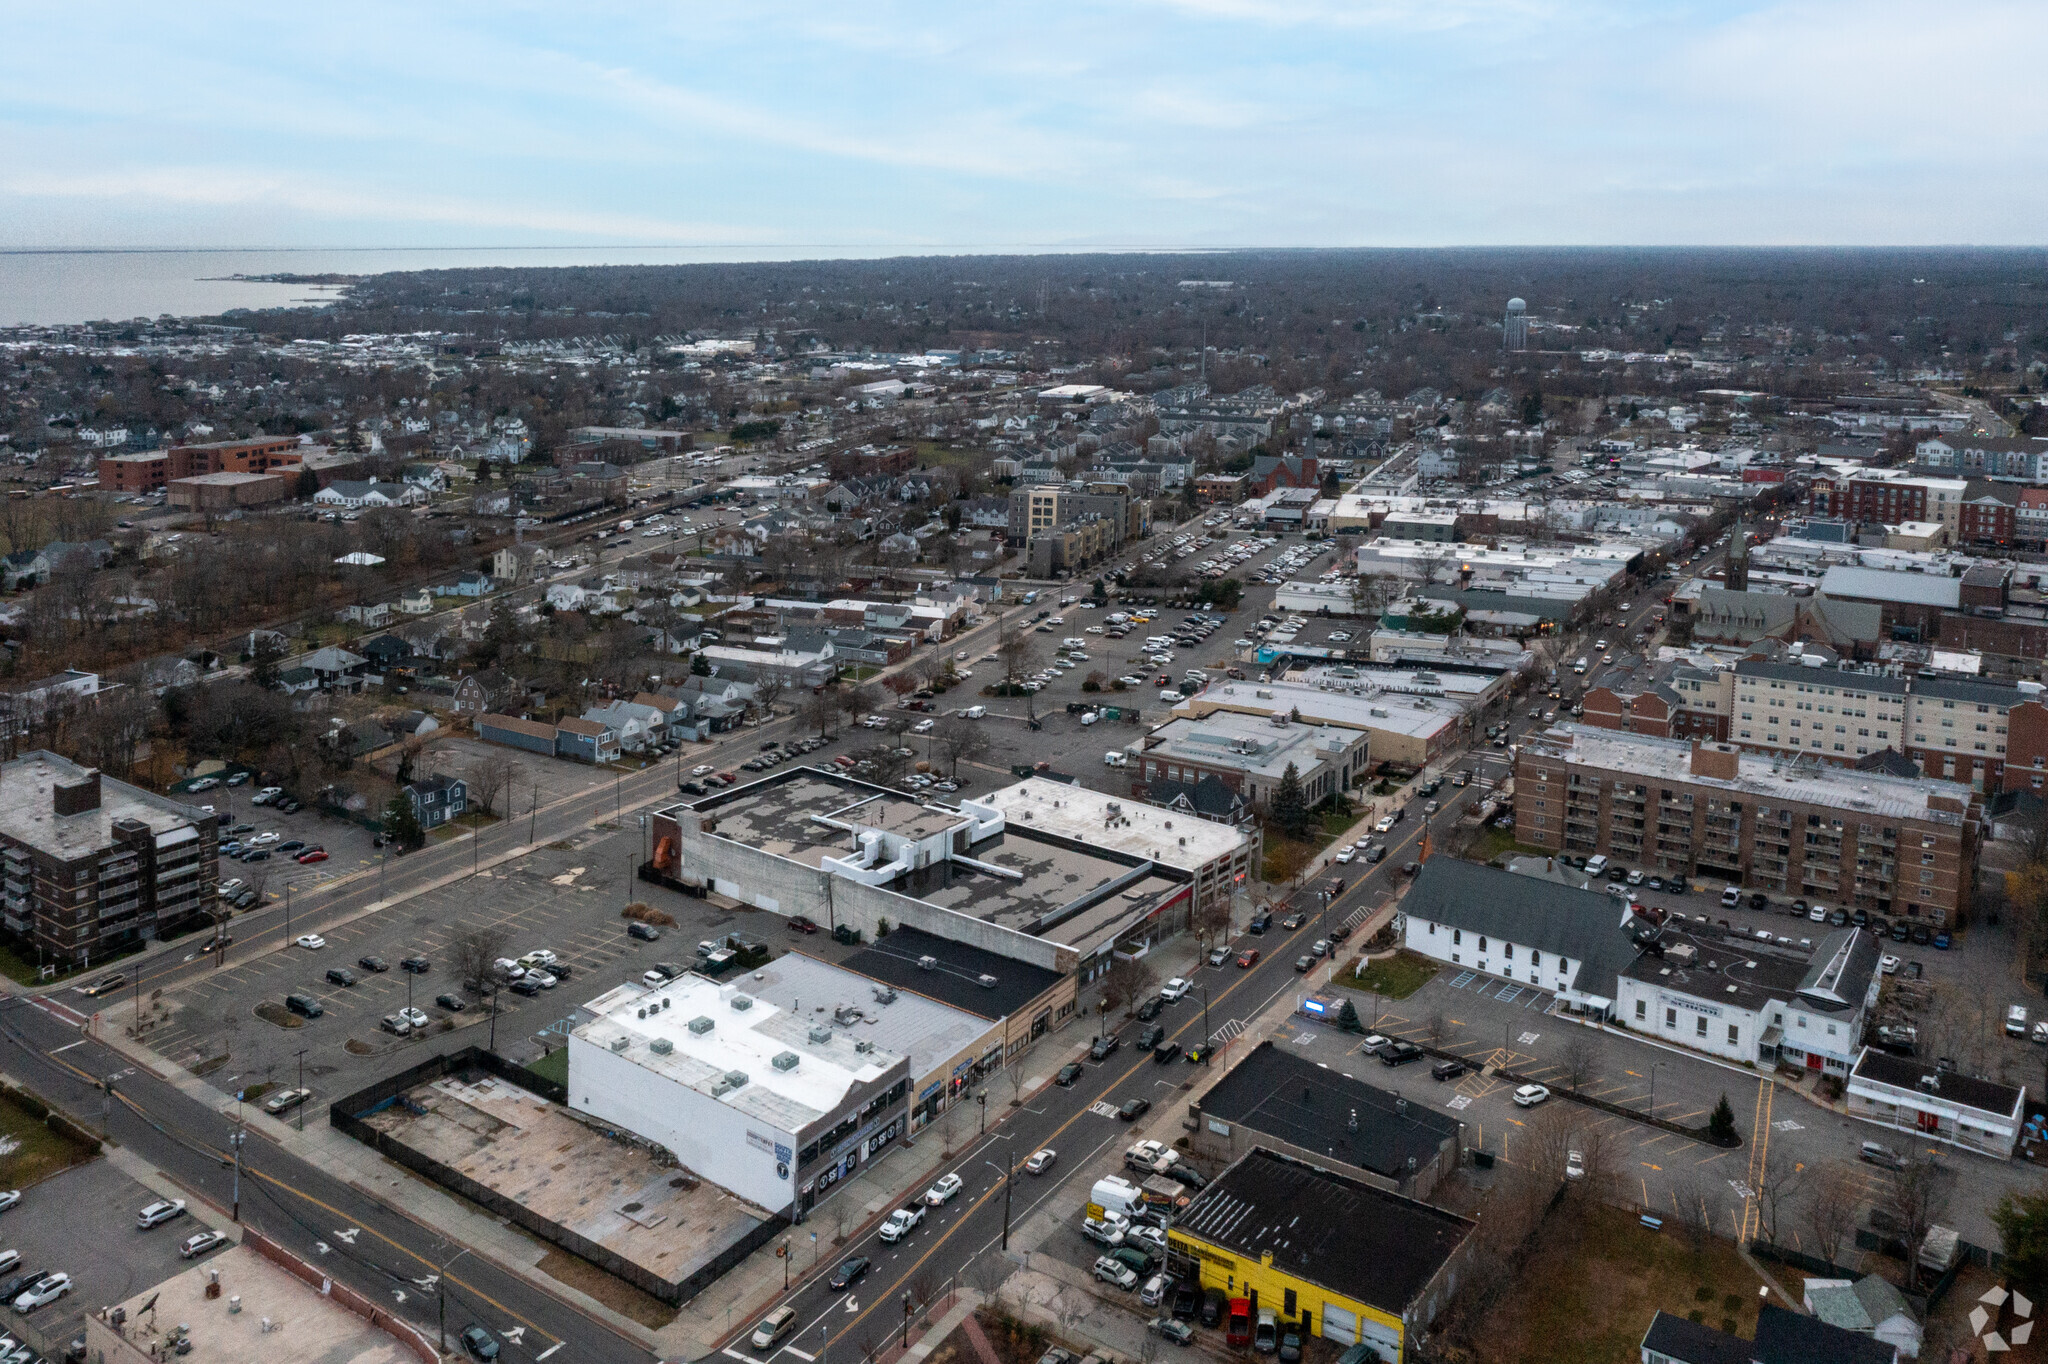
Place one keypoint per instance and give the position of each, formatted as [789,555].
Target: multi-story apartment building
[1890,496]
[1838,714]
[153,469]
[1859,840]
[1042,507]
[89,865]
[2021,460]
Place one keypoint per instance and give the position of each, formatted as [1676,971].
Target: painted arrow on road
[513,1334]
[348,1237]
[852,1305]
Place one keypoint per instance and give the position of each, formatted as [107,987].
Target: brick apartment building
[1858,840]
[89,865]
[1989,520]
[154,469]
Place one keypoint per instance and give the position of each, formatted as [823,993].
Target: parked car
[376,964]
[312,942]
[194,1246]
[160,1212]
[773,1327]
[42,1292]
[1528,1096]
[1134,1109]
[1114,1271]
[1041,1161]
[341,976]
[479,1344]
[1069,1073]
[848,1274]
[944,1190]
[285,1100]
[454,1004]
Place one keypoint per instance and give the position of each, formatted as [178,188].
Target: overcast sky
[1166,123]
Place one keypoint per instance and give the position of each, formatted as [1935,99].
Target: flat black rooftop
[1311,1107]
[1337,1233]
[955,977]
[1985,1096]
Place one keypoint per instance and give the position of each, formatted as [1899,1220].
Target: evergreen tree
[402,826]
[1347,1018]
[1721,1126]
[2022,1222]
[263,666]
[1290,804]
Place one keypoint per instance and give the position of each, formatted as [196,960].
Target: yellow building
[1324,1254]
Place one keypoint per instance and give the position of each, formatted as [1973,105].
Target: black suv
[1400,1054]
[1260,923]
[1149,1038]
[1149,1010]
[1102,1046]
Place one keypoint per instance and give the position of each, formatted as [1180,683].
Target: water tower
[1515,326]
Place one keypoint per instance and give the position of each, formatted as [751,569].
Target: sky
[764,126]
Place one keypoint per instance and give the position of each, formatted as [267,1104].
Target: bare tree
[987,1273]
[1917,1199]
[474,952]
[767,691]
[1829,1208]
[1695,1214]
[957,741]
[490,780]
[1434,1027]
[1127,981]
[1577,1060]
[818,710]
[1778,1190]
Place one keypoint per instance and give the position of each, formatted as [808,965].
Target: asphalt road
[355,1238]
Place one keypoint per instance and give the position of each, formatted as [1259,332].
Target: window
[1671,1018]
[1642,1009]
[1482,942]
[1702,1029]
[1734,1035]
[1535,960]
[1457,936]
[1508,952]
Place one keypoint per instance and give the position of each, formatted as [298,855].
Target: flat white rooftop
[1757,774]
[1414,716]
[747,1035]
[262,1313]
[1139,830]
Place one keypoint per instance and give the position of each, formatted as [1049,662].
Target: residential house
[1869,1306]
[520,563]
[1782,1337]
[635,726]
[587,741]
[418,602]
[426,477]
[436,800]
[567,596]
[335,668]
[372,615]
[25,568]
[24,705]
[386,652]
[675,715]
[484,691]
[468,585]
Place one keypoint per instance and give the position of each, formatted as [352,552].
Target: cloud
[214,187]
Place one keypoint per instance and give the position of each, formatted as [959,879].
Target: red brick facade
[155,469]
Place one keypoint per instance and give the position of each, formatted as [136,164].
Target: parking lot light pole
[301,1054]
[235,1141]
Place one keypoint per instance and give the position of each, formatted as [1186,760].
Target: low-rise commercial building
[226,492]
[1406,717]
[1251,754]
[1930,1104]
[1294,1106]
[1858,839]
[751,1095]
[1328,1255]
[90,865]
[1018,874]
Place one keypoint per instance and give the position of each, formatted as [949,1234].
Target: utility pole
[106,1104]
[301,1054]
[235,1141]
[1208,1038]
[906,1319]
[1009,1180]
[494,1019]
[288,907]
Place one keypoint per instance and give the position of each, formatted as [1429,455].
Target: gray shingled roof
[1580,925]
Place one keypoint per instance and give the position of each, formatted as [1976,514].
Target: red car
[1249,958]
[1162,680]
[312,855]
[799,924]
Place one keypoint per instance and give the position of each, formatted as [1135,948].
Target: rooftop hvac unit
[700,1025]
[821,1034]
[786,1061]
[742,1003]
[927,963]
[735,1078]
[863,1046]
[988,982]
[620,1043]
[885,995]
[661,1046]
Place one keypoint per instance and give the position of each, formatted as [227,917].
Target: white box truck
[1114,1194]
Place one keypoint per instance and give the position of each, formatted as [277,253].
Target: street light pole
[1208,1038]
[235,1141]
[301,1054]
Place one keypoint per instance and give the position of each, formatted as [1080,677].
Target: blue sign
[1314,1006]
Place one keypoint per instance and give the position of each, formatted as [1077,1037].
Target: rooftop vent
[821,1034]
[736,1078]
[621,1043]
[863,1046]
[661,1046]
[700,1026]
[643,1011]
[666,1000]
[927,963]
[988,982]
[742,1003]
[884,995]
[785,1061]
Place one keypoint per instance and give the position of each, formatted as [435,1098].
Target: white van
[1596,865]
[2016,1021]
[1115,758]
[975,712]
[1579,667]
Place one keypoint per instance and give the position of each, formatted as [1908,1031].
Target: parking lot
[82,1223]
